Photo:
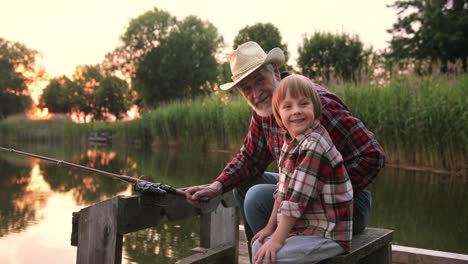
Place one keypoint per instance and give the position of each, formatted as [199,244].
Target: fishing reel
[156,189]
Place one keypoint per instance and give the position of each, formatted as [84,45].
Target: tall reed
[419,121]
[425,118]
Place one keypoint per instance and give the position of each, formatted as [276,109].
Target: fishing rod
[141,186]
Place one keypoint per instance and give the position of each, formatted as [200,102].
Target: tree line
[161,59]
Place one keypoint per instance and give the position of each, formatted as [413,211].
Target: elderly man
[255,75]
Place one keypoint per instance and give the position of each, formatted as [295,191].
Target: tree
[15,60]
[266,35]
[86,81]
[112,97]
[90,95]
[143,34]
[430,30]
[325,55]
[56,96]
[182,66]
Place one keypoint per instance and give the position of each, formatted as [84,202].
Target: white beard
[262,112]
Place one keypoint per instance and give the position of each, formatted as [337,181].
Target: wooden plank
[212,255]
[75,223]
[368,246]
[98,239]
[410,255]
[221,221]
[98,229]
[143,211]
[220,228]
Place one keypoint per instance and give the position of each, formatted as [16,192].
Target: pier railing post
[98,229]
[220,228]
[98,238]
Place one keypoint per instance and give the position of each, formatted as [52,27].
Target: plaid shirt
[362,154]
[314,187]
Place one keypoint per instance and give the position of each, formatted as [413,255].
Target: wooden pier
[98,233]
[100,138]
[98,229]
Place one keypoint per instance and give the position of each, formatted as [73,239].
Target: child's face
[297,114]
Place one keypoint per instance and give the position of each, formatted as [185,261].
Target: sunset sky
[70,33]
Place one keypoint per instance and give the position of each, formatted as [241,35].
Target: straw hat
[247,58]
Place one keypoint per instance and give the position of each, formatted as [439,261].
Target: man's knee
[361,214]
[260,197]
[240,192]
[258,205]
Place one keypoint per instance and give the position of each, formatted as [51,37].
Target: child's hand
[268,251]
[266,231]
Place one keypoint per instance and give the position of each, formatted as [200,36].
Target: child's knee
[255,247]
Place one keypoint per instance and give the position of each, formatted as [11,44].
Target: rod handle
[204,200]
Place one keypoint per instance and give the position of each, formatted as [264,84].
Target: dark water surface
[37,200]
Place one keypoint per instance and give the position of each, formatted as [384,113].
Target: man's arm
[252,159]
[363,155]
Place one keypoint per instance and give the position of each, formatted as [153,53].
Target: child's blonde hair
[297,86]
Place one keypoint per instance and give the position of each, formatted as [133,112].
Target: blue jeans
[255,200]
[302,249]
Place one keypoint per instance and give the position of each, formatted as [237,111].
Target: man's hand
[194,193]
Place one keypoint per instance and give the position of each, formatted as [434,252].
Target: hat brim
[275,56]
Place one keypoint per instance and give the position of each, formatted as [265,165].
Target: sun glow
[100,157]
[36,113]
[37,182]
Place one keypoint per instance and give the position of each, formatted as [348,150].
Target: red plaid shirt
[314,187]
[362,154]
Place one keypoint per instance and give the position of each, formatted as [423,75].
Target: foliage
[15,60]
[426,119]
[82,93]
[112,98]
[182,66]
[142,35]
[325,55]
[91,94]
[429,131]
[225,74]
[266,35]
[55,95]
[430,30]
[420,116]
[20,129]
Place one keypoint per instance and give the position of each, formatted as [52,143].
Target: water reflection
[27,184]
[86,187]
[164,244]
[19,202]
[425,210]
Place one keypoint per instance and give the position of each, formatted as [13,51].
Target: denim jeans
[255,200]
[302,249]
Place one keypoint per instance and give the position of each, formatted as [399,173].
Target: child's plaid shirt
[314,187]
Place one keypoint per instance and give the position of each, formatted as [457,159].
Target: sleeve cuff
[291,209]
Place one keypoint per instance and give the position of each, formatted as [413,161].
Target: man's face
[258,89]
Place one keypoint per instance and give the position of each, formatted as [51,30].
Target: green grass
[419,121]
[425,118]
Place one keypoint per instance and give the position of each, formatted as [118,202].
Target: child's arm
[268,229]
[269,249]
[285,225]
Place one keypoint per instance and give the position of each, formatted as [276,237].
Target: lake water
[37,199]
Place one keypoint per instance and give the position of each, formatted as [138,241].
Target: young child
[312,216]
